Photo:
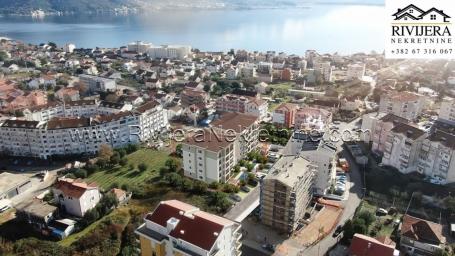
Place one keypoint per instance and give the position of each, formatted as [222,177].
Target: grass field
[124,175]
[386,229]
[283,86]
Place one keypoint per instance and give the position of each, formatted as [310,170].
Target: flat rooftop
[9,181]
[290,169]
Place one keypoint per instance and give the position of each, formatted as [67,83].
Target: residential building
[139,47]
[420,237]
[356,71]
[286,192]
[12,185]
[403,104]
[68,94]
[381,131]
[308,118]
[362,245]
[169,51]
[247,70]
[402,147]
[69,48]
[324,68]
[447,111]
[242,104]
[80,135]
[244,127]
[284,115]
[76,197]
[324,157]
[177,228]
[208,156]
[36,213]
[96,83]
[191,96]
[369,123]
[232,73]
[437,157]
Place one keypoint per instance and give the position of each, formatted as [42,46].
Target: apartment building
[402,147]
[247,70]
[244,127]
[191,96]
[309,118]
[356,71]
[96,83]
[242,104]
[447,111]
[80,135]
[208,156]
[324,68]
[403,104]
[324,157]
[284,115]
[177,228]
[421,237]
[169,51]
[139,47]
[381,131]
[80,108]
[437,157]
[286,193]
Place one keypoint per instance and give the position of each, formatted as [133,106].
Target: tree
[172,164]
[230,188]
[3,56]
[90,216]
[178,150]
[105,152]
[367,217]
[359,226]
[207,87]
[186,185]
[173,179]
[80,173]
[449,203]
[219,200]
[142,167]
[214,185]
[199,187]
[115,159]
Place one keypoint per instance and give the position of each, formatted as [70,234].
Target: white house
[76,197]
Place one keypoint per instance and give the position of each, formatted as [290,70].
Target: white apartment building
[325,68]
[356,71]
[208,156]
[402,147]
[447,111]
[81,135]
[69,48]
[403,104]
[177,228]
[437,157]
[247,70]
[80,108]
[169,51]
[381,131]
[96,83]
[368,127]
[232,73]
[76,197]
[139,47]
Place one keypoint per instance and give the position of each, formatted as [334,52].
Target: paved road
[249,203]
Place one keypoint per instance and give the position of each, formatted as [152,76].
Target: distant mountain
[95,6]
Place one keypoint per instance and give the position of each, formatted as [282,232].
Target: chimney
[171,224]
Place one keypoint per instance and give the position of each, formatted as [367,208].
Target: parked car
[269,247]
[381,212]
[245,189]
[235,197]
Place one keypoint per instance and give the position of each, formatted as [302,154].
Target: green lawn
[386,229]
[284,86]
[123,175]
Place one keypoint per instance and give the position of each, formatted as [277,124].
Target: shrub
[214,185]
[142,167]
[80,173]
[229,188]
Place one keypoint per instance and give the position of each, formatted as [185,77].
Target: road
[350,205]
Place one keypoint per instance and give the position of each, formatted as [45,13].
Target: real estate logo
[419,30]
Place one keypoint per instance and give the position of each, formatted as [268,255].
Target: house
[68,94]
[177,228]
[284,115]
[122,196]
[434,15]
[309,118]
[36,213]
[76,197]
[362,245]
[420,237]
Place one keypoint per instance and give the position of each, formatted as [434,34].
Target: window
[433,17]
[411,11]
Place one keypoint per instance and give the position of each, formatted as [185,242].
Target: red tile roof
[422,230]
[73,188]
[194,226]
[365,245]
